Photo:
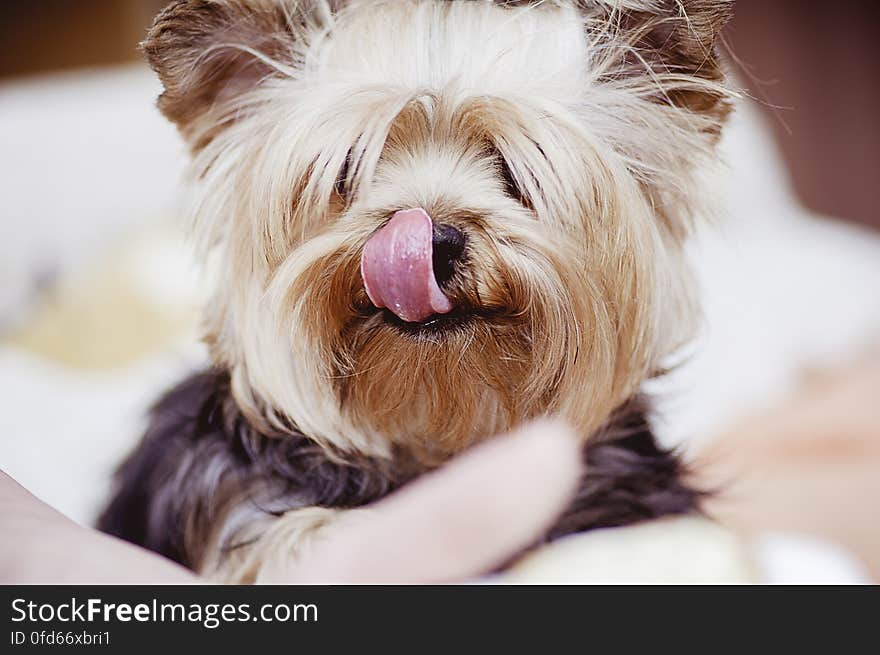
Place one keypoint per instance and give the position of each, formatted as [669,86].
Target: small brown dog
[431,220]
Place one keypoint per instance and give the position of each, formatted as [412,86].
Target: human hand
[454,524]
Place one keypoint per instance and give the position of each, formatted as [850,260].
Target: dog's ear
[207,52]
[671,45]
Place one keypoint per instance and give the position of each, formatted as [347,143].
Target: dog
[431,221]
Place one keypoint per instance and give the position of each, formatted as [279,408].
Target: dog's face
[436,218]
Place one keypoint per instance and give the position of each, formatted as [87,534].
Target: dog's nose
[448,250]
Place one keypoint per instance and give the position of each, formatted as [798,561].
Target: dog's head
[436,218]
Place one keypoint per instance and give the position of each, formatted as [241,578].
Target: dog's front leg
[268,552]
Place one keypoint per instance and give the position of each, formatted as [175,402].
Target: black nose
[448,251]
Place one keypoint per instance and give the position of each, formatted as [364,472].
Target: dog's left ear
[209,52]
[670,45]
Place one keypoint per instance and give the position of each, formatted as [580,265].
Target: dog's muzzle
[405,263]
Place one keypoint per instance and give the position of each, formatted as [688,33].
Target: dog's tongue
[398,269]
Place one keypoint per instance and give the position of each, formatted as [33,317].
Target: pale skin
[453,525]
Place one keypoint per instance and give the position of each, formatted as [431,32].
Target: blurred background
[778,402]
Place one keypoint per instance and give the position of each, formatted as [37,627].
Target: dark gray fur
[200,458]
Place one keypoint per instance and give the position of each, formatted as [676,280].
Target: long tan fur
[312,122]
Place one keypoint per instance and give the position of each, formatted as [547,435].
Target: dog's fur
[565,139]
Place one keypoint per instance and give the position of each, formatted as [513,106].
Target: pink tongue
[398,269]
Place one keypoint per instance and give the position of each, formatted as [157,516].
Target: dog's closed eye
[511,187]
[343,186]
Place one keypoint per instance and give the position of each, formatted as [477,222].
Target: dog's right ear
[209,52]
